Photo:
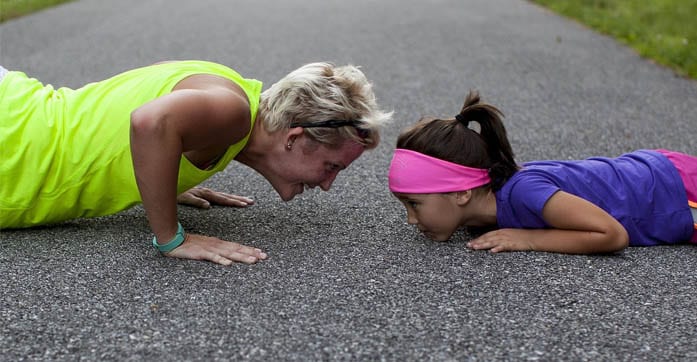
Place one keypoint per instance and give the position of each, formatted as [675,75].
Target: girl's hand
[502,240]
[202,198]
[199,247]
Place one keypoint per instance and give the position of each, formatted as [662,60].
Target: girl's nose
[411,218]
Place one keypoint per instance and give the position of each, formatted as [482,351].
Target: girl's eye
[412,204]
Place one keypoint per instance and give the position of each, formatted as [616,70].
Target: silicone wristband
[177,240]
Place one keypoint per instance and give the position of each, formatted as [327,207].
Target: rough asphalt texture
[347,279]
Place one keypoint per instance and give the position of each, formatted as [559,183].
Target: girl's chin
[437,237]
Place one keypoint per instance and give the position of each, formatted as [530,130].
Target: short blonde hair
[319,92]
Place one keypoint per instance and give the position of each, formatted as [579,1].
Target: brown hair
[452,140]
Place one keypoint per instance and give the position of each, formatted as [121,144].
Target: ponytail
[452,140]
[493,133]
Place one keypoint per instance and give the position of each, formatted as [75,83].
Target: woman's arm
[187,120]
[578,227]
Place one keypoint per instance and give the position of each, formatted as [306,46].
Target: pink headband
[415,173]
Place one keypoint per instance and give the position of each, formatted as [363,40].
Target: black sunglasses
[334,123]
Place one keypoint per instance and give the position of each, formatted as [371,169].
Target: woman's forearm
[156,150]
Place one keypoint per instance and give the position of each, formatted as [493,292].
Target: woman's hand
[199,247]
[202,198]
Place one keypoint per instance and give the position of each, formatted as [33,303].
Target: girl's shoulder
[521,199]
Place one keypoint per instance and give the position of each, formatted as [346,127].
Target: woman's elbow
[143,123]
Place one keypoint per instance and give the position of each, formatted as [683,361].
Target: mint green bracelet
[177,240]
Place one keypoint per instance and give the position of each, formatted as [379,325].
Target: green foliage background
[662,30]
[15,8]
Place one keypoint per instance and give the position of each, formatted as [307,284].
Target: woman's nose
[327,183]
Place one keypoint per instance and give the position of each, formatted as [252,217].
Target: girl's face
[438,216]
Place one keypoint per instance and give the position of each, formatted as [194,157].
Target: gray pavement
[346,278]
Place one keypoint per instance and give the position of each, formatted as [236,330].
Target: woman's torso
[65,153]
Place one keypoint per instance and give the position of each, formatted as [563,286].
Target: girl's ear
[462,198]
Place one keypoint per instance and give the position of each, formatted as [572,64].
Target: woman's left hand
[202,197]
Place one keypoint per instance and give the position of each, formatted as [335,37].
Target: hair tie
[460,118]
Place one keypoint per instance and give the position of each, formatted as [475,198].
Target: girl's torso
[642,190]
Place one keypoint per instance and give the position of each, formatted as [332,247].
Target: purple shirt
[642,190]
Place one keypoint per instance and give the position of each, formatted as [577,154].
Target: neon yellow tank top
[65,153]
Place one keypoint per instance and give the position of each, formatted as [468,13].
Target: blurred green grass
[662,30]
[10,9]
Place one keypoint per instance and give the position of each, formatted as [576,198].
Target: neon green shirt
[65,153]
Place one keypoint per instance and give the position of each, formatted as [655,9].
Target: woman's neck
[259,149]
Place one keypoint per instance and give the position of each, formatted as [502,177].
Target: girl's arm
[577,227]
[187,120]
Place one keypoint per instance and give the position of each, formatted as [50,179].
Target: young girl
[447,175]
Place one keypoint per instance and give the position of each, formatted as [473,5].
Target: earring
[289,145]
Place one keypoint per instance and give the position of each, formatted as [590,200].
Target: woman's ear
[462,198]
[291,136]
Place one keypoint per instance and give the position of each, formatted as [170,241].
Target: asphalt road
[347,279]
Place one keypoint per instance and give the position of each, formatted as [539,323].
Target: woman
[152,134]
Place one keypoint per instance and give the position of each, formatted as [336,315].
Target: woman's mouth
[303,187]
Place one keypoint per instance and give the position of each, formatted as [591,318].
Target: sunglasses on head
[334,123]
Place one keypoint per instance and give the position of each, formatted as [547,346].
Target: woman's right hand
[200,247]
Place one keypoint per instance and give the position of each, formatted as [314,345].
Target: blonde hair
[319,92]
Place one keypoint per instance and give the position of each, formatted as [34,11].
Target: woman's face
[437,216]
[308,164]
